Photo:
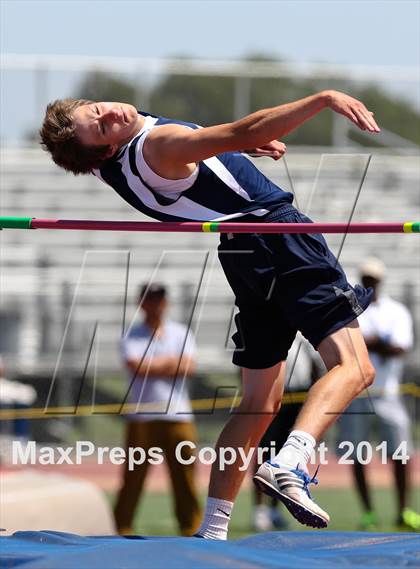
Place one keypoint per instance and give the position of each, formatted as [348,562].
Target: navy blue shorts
[284,283]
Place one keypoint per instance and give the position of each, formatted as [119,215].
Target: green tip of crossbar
[412,227]
[15,222]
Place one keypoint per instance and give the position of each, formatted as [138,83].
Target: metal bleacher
[44,271]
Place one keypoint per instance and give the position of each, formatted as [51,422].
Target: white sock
[216,519]
[296,451]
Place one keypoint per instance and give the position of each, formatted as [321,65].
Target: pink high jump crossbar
[206,227]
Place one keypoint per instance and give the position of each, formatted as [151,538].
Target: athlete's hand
[352,109]
[274,149]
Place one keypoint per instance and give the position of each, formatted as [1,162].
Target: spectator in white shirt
[159,355]
[388,332]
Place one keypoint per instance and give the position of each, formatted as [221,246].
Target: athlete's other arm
[171,146]
[274,149]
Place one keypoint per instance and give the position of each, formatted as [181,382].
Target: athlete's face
[112,124]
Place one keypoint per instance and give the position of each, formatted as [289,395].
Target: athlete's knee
[361,373]
[369,373]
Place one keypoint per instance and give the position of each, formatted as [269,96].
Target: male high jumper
[177,171]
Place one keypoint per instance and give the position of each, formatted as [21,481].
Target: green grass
[154,515]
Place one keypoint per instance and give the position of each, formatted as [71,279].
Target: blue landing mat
[289,550]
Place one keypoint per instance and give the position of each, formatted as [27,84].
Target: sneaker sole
[299,512]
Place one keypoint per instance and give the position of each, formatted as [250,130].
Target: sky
[376,32]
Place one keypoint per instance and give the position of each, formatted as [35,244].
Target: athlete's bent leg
[349,372]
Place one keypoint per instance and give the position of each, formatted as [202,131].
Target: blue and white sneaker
[291,487]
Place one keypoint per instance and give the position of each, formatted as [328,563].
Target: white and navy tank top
[224,187]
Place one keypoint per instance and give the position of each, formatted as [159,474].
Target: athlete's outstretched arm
[176,144]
